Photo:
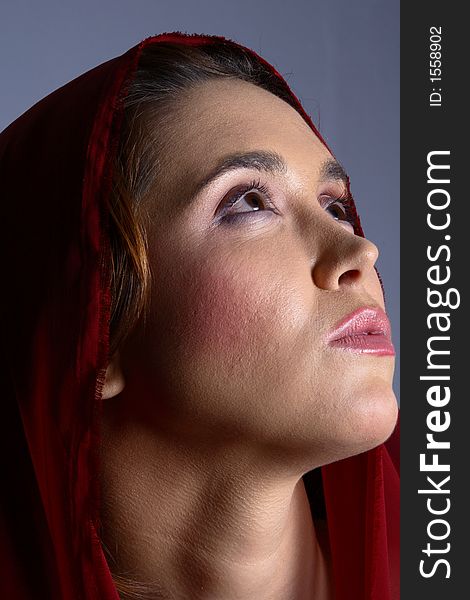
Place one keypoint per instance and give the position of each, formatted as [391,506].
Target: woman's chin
[372,421]
[357,424]
[360,420]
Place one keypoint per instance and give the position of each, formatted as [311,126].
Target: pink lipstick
[365,331]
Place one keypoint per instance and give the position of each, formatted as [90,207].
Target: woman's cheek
[236,312]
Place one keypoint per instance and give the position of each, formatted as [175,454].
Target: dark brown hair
[164,72]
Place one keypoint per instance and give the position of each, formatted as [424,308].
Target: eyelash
[345,201]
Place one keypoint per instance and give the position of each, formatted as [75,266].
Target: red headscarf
[55,174]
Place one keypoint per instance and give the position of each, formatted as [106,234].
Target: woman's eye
[249,199]
[338,211]
[341,212]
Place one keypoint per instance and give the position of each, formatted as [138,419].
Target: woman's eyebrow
[332,170]
[261,160]
[269,162]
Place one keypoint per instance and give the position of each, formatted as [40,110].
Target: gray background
[341,58]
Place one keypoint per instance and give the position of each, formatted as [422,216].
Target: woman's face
[243,295]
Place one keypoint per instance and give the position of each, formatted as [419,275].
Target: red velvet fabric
[54,177]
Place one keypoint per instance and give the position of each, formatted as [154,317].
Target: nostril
[350,276]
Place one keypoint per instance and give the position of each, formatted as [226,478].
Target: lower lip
[378,345]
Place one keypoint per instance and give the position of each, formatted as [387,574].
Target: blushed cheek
[225,314]
[237,313]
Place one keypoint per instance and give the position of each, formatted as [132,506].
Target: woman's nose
[346,259]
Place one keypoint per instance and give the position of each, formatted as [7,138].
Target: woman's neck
[205,524]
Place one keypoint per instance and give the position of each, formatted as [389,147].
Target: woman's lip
[366,330]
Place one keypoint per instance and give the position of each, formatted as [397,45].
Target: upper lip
[367,320]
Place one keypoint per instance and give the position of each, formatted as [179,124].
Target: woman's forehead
[242,111]
[220,120]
